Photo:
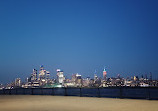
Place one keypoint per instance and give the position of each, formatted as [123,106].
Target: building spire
[104,68]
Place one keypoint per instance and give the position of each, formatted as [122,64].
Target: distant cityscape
[41,79]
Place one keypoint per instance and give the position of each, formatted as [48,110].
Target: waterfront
[68,103]
[112,92]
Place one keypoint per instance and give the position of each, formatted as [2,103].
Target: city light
[41,79]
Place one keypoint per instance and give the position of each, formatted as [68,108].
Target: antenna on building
[104,68]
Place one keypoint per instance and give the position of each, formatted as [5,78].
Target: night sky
[78,36]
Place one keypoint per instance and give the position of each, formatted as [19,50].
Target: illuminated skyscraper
[47,75]
[95,75]
[18,82]
[77,80]
[34,75]
[104,74]
[60,76]
[43,76]
[42,73]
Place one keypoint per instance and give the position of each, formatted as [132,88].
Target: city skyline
[43,73]
[98,72]
[42,78]
[78,37]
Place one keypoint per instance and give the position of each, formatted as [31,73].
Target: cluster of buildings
[42,79]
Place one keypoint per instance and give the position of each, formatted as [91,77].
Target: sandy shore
[67,103]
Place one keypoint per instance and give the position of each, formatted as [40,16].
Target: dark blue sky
[78,36]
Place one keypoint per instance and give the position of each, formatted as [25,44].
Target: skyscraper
[104,74]
[60,76]
[43,76]
[95,75]
[47,75]
[17,82]
[42,73]
[34,75]
[77,80]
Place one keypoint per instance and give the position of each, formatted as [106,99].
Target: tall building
[60,76]
[34,75]
[104,74]
[95,75]
[18,82]
[43,76]
[42,73]
[77,80]
[47,75]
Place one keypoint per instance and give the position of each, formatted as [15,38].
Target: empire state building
[104,74]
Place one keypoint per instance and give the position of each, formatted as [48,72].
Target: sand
[68,103]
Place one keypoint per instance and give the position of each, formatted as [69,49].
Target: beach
[69,103]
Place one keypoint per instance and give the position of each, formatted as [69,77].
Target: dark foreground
[113,92]
[68,103]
